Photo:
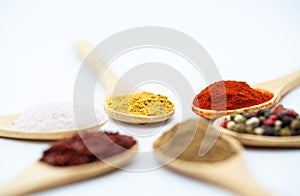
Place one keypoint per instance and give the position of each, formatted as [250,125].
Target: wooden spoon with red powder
[76,158]
[225,97]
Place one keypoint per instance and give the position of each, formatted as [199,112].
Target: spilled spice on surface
[74,151]
[174,142]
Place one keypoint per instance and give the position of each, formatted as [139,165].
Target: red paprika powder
[74,151]
[229,95]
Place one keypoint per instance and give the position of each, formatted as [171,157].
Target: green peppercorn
[277,128]
[262,118]
[241,112]
[233,115]
[295,124]
[240,127]
[253,111]
[285,132]
[279,105]
[268,112]
[239,118]
[249,129]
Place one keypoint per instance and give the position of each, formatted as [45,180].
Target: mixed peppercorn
[278,121]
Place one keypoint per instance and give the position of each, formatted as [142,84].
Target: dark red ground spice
[73,150]
[229,95]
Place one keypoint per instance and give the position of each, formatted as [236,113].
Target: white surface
[253,41]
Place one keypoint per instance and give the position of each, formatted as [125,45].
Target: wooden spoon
[260,140]
[41,176]
[278,87]
[229,173]
[6,131]
[110,80]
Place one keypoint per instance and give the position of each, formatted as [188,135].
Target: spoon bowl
[259,140]
[136,119]
[6,131]
[110,81]
[229,173]
[278,87]
[41,176]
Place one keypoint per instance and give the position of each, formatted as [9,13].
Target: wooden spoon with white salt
[223,165]
[7,130]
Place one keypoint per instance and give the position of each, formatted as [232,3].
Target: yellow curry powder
[144,103]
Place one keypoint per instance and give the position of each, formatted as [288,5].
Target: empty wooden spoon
[41,176]
[223,165]
[110,80]
[260,140]
[278,87]
[6,130]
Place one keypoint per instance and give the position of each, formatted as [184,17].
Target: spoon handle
[283,85]
[235,177]
[40,176]
[96,63]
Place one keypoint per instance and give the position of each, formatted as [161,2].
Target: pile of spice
[73,150]
[173,143]
[229,95]
[144,103]
[55,117]
[271,122]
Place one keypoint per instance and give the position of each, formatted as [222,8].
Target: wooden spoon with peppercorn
[278,88]
[43,176]
[277,127]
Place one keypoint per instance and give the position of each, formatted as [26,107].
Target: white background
[253,41]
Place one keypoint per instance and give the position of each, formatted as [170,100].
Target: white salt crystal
[57,117]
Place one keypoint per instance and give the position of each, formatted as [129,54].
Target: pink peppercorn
[224,123]
[269,122]
[273,117]
[277,109]
[291,113]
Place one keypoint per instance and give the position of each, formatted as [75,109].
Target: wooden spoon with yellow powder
[139,107]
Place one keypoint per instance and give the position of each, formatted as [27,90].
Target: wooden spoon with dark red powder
[75,158]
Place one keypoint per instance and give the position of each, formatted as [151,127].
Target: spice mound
[74,151]
[229,95]
[56,117]
[183,143]
[144,103]
[270,122]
